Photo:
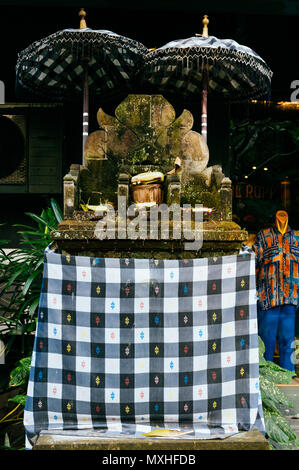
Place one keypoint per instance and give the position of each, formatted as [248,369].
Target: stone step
[93,440]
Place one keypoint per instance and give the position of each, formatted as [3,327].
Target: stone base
[92,440]
[78,237]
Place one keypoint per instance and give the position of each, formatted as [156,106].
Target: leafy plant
[19,378]
[21,276]
[279,432]
[20,285]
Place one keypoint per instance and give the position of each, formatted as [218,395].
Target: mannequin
[282,219]
[277,266]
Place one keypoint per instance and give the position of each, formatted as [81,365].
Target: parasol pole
[204,101]
[85,108]
[83,25]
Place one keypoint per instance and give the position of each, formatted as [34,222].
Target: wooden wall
[43,148]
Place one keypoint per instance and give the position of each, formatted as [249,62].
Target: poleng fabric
[277,265]
[124,345]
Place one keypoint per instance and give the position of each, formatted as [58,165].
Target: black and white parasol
[74,61]
[205,64]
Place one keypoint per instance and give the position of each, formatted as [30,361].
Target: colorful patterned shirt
[277,266]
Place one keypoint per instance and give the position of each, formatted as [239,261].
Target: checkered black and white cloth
[123,345]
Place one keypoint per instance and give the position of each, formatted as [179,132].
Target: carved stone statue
[145,135]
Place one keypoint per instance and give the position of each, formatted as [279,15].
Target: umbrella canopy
[234,71]
[73,61]
[53,67]
[220,66]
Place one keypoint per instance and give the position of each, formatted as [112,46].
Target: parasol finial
[205,23]
[82,13]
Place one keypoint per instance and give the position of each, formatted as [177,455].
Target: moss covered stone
[79,237]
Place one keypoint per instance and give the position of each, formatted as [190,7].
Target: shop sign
[252,191]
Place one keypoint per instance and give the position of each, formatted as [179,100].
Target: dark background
[270,27]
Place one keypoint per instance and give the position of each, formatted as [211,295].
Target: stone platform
[78,237]
[94,440]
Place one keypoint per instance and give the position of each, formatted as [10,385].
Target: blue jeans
[278,322]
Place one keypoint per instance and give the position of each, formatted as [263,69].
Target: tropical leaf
[14,277]
[277,445]
[9,320]
[274,430]
[278,376]
[20,399]
[269,404]
[30,280]
[274,393]
[21,274]
[57,211]
[262,347]
[40,220]
[285,427]
[6,441]
[20,374]
[278,368]
[33,307]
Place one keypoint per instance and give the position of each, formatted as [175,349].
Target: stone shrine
[145,135]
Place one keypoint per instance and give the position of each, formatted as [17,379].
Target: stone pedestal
[92,440]
[78,237]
